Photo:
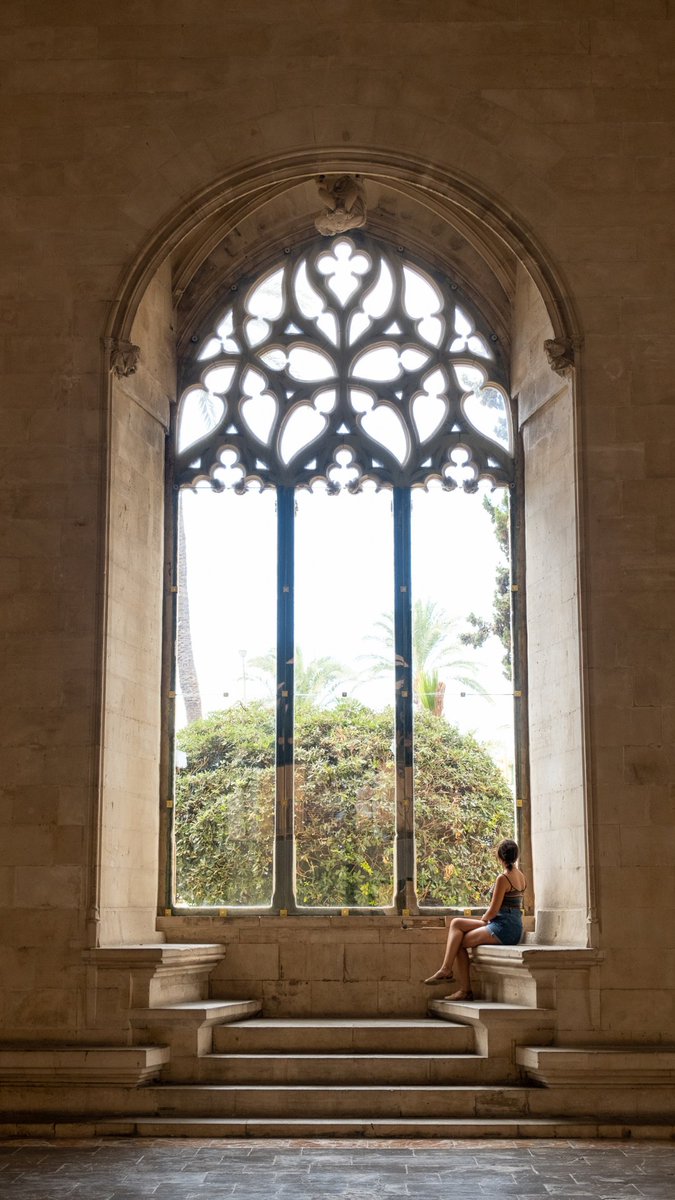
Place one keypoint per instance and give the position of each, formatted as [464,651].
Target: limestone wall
[561,116]
[129,785]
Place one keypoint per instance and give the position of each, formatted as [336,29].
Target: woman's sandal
[459,996]
[434,979]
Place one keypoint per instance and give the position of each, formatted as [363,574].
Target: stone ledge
[157,954]
[533,956]
[604,1066]
[84,1065]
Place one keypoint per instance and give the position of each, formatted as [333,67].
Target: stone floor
[127,1169]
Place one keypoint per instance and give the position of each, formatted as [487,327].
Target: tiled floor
[127,1169]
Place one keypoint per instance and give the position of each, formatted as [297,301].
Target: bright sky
[344,585]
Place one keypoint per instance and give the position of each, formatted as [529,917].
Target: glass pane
[226,680]
[463,699]
[487,409]
[200,412]
[344,688]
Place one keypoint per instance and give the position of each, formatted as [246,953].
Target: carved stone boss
[344,198]
[124,357]
[560,354]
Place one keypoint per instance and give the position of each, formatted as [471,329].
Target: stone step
[498,1026]
[611,1066]
[474,1011]
[335,1127]
[396,1070]
[343,1035]
[198,1012]
[249,1100]
[124,1066]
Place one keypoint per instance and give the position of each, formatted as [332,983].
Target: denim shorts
[507,926]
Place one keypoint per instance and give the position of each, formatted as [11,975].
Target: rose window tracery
[346,353]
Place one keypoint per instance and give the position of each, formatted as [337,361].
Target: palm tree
[435,650]
[317,680]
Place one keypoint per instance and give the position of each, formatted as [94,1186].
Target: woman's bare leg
[463,970]
[459,926]
[474,937]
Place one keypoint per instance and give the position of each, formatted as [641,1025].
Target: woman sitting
[502,924]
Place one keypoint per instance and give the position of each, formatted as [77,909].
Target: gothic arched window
[338,400]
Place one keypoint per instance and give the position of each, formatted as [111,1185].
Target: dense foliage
[345,810]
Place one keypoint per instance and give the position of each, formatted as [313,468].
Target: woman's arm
[496,901]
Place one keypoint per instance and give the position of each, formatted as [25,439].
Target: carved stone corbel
[123,356]
[344,198]
[560,354]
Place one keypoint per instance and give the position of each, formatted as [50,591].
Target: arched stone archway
[175,279]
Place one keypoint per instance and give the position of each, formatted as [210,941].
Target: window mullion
[283,837]
[405,824]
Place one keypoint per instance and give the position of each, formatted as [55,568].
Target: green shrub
[344,808]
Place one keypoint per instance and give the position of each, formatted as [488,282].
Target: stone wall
[560,116]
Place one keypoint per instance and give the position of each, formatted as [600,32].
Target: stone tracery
[353,348]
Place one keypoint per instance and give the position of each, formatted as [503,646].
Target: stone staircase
[215,1066]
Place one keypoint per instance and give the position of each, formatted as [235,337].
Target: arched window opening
[343,458]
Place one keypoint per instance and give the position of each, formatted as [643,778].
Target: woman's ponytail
[508,852]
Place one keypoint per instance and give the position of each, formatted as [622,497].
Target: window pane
[226,680]
[463,717]
[344,688]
